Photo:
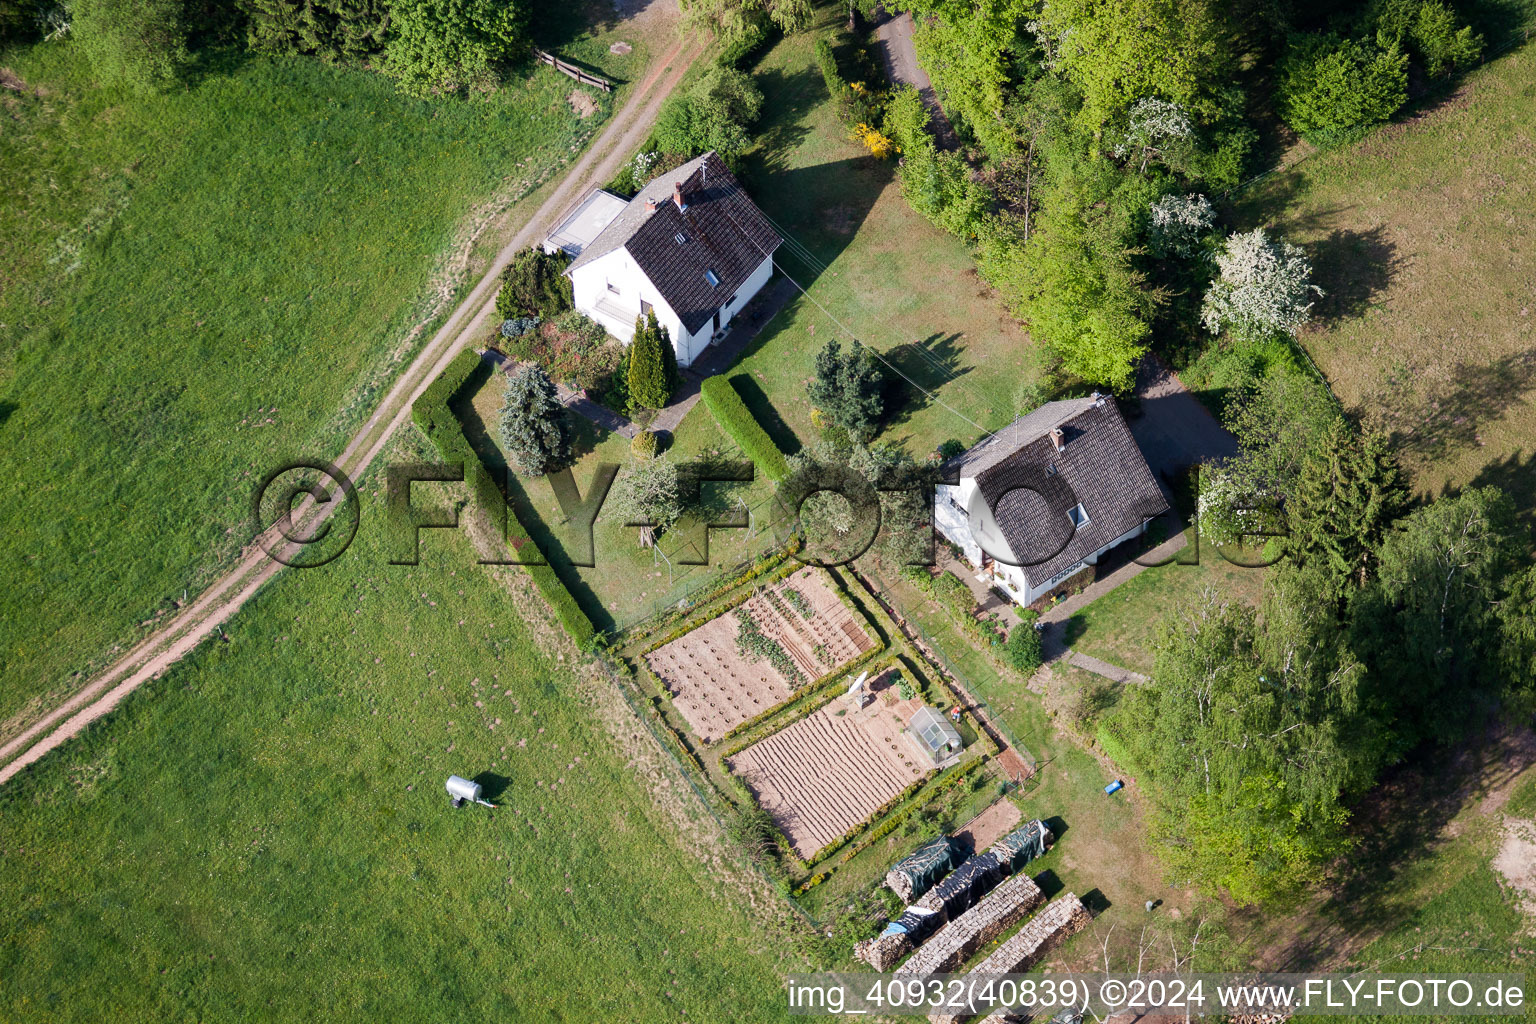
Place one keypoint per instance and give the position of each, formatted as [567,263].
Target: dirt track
[167,645]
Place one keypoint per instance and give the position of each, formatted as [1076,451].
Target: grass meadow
[197,286]
[1420,237]
[901,285]
[263,832]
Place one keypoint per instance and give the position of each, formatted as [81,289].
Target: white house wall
[617,312]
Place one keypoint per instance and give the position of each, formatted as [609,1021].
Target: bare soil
[990,825]
[1516,862]
[826,773]
[716,688]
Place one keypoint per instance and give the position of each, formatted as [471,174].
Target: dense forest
[428,46]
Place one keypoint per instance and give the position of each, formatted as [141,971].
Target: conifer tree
[650,360]
[1348,492]
[534,430]
[849,389]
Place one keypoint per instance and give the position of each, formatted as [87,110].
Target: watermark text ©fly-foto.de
[305,513]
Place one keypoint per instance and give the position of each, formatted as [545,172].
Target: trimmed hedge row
[725,405]
[433,415]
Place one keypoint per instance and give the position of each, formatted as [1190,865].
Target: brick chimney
[650,206]
[677,195]
[1059,439]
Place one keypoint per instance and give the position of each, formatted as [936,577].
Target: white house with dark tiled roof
[690,246]
[1042,499]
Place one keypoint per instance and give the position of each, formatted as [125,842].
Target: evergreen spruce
[849,389]
[650,356]
[1348,492]
[534,430]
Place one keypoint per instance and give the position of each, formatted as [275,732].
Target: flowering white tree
[1229,512]
[1265,287]
[1179,221]
[1154,124]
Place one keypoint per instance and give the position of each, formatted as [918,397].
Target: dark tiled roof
[1101,467]
[727,235]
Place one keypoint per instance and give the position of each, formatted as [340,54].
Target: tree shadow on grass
[1515,475]
[6,409]
[1433,414]
[917,370]
[512,487]
[1396,826]
[819,208]
[1353,268]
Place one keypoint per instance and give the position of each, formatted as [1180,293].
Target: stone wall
[1064,917]
[884,952]
[999,910]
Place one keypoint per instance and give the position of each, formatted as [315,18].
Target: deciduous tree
[445,46]
[1264,288]
[649,490]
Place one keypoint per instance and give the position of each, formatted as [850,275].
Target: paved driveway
[1174,430]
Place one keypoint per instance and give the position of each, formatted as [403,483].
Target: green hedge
[432,414]
[726,406]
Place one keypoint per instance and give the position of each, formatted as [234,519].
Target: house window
[709,275]
[1078,515]
[682,239]
[645,307]
[1050,470]
[612,287]
[729,301]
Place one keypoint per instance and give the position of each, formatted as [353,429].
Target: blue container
[1114,787]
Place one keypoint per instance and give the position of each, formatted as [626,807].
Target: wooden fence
[572,70]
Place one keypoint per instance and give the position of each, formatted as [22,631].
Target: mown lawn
[1120,626]
[627,583]
[1421,237]
[883,273]
[262,834]
[198,286]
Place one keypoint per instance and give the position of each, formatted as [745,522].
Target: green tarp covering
[914,875]
[1022,846]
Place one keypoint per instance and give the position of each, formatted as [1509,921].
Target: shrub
[715,114]
[534,285]
[1332,89]
[949,449]
[726,406]
[644,445]
[1024,649]
[518,326]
